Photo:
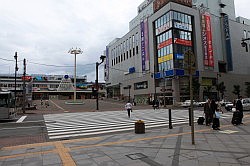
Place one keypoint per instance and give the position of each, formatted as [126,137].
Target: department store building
[152,59]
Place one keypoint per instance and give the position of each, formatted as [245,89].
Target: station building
[166,38]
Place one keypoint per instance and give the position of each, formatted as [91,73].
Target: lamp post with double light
[75,51]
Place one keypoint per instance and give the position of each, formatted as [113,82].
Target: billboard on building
[207,40]
[158,4]
[144,45]
[107,64]
[228,43]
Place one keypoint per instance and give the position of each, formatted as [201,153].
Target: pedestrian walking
[239,107]
[208,112]
[128,107]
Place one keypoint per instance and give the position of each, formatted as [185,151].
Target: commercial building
[166,38]
[40,86]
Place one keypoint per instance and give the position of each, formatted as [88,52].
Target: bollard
[189,115]
[170,119]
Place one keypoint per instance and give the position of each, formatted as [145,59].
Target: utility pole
[24,85]
[16,69]
[189,59]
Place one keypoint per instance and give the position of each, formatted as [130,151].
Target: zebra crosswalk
[66,125]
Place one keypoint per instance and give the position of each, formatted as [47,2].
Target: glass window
[159,53]
[156,24]
[162,52]
[175,15]
[167,17]
[179,16]
[170,33]
[189,20]
[165,51]
[167,35]
[164,36]
[171,49]
[164,19]
[159,66]
[182,18]
[186,19]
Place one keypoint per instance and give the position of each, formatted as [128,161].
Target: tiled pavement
[158,147]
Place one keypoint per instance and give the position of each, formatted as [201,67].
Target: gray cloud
[42,31]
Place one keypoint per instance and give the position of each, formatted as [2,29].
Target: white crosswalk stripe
[62,126]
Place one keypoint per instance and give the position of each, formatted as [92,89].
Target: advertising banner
[183,42]
[207,40]
[144,45]
[164,44]
[158,4]
[228,43]
[107,64]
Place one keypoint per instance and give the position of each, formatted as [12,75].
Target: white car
[245,103]
[187,103]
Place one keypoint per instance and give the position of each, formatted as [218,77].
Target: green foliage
[237,90]
[248,91]
[221,88]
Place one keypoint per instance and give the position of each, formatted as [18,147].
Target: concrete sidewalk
[229,146]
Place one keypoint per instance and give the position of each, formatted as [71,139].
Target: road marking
[21,119]
[64,154]
[49,143]
[57,105]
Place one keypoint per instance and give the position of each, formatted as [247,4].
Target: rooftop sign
[158,4]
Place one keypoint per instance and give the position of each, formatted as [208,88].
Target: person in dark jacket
[207,112]
[239,107]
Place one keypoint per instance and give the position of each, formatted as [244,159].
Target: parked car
[245,103]
[187,103]
[224,102]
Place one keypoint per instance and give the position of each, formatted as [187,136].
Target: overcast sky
[43,31]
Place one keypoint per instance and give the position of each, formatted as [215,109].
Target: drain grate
[136,156]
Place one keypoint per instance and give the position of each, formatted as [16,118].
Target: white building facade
[150,61]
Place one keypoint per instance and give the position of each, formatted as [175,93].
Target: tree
[207,90]
[196,88]
[248,90]
[237,90]
[221,88]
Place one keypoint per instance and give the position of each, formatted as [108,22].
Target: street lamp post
[129,87]
[102,57]
[75,52]
[16,69]
[244,44]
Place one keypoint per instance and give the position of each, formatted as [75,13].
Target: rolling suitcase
[200,120]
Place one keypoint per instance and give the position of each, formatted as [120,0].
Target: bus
[7,105]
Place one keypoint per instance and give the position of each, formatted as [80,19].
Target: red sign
[165,43]
[158,4]
[183,42]
[26,78]
[207,40]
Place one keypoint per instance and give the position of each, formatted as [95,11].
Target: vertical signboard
[144,45]
[107,64]
[228,43]
[207,40]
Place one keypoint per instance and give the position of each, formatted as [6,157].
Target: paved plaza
[162,146]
